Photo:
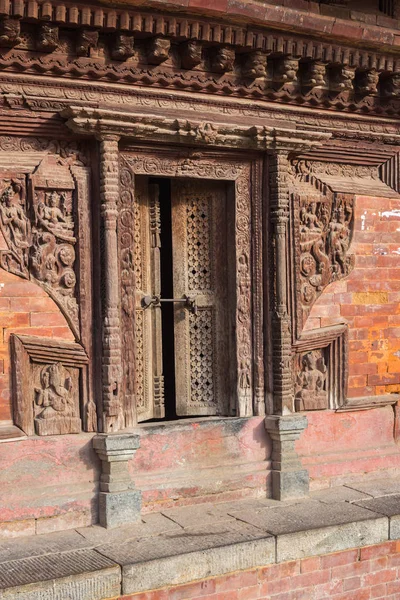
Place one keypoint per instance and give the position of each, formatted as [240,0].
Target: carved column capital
[104,136]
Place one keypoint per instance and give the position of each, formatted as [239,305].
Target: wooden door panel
[200,271]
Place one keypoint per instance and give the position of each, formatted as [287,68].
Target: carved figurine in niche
[222,60]
[123,47]
[158,50]
[56,402]
[285,69]
[255,65]
[16,229]
[191,54]
[366,82]
[47,38]
[311,391]
[87,39]
[10,30]
[390,87]
[341,78]
[314,74]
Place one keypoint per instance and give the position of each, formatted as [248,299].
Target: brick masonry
[371,572]
[24,308]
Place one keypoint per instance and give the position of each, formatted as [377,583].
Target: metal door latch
[188,301]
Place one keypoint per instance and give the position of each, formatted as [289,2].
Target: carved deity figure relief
[311,382]
[38,228]
[325,232]
[56,401]
[53,214]
[16,228]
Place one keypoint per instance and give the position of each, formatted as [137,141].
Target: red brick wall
[359,574]
[24,308]
[369,300]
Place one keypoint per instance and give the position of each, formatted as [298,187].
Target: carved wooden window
[210,281]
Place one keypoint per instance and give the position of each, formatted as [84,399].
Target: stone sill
[10,433]
[368,402]
[192,543]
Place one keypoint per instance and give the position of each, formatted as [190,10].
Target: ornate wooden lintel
[147,127]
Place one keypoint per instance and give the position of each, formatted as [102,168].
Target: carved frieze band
[186,53]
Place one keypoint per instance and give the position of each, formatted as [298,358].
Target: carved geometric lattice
[202,357]
[198,243]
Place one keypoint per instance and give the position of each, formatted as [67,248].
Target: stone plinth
[289,479]
[119,502]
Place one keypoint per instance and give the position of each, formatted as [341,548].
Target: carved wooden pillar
[281,338]
[289,479]
[113,418]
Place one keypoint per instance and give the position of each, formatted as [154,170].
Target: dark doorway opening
[167,309]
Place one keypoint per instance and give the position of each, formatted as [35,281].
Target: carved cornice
[198,55]
[146,127]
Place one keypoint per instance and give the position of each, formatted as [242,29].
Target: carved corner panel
[322,224]
[199,165]
[322,231]
[39,217]
[50,386]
